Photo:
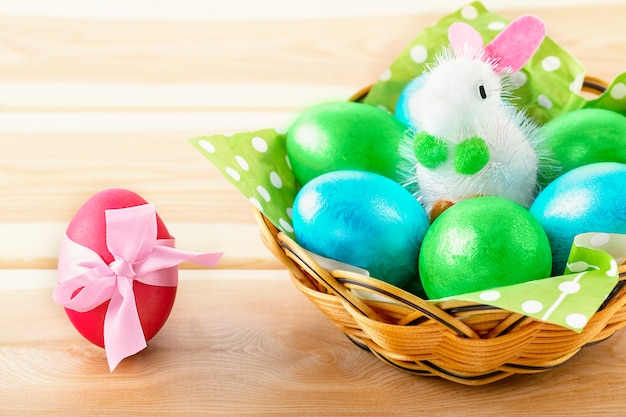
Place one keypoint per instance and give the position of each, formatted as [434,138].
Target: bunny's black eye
[482,91]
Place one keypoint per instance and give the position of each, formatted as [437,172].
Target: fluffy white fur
[449,106]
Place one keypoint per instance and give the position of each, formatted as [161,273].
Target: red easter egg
[87,228]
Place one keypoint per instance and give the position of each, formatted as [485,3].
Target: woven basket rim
[379,326]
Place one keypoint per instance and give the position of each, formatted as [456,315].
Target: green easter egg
[483,243]
[344,136]
[585,136]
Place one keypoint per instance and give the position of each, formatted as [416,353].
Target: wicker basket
[468,343]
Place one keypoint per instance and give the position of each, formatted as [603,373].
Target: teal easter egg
[582,137]
[344,135]
[403,108]
[363,219]
[591,198]
[482,243]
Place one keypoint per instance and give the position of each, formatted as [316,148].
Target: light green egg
[583,137]
[482,243]
[345,136]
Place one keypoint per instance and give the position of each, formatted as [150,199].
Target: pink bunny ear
[517,43]
[462,36]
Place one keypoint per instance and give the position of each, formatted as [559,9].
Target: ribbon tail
[163,257]
[123,335]
[205,259]
[95,288]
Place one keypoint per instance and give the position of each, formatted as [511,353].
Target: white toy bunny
[470,141]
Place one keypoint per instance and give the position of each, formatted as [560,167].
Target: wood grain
[227,350]
[98,99]
[337,52]
[49,175]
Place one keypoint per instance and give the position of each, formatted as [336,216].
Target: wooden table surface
[94,97]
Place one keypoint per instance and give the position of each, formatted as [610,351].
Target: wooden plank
[250,347]
[345,51]
[46,177]
[205,99]
[246,10]
[64,50]
[32,246]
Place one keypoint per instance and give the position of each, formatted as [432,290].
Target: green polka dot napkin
[571,299]
[613,99]
[256,164]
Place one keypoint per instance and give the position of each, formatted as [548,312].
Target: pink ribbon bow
[131,237]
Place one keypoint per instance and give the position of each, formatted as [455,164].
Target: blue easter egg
[590,198]
[403,112]
[363,219]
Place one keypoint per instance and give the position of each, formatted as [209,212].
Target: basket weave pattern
[469,343]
